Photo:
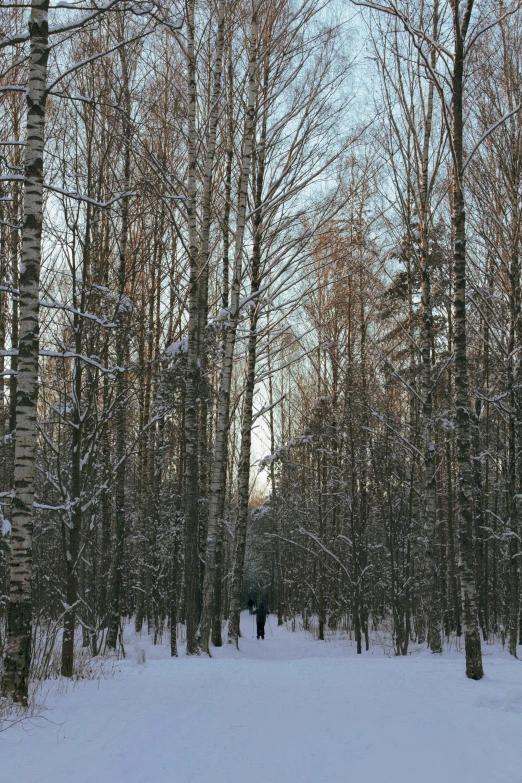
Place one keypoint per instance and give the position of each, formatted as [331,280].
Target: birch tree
[220,444]
[17,661]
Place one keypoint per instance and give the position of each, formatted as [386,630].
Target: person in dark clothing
[261,620]
[250,605]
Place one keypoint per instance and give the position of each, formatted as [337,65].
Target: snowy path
[286,710]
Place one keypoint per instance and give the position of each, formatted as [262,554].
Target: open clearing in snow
[286,710]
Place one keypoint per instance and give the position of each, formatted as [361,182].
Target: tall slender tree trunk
[430,464]
[198,304]
[121,350]
[248,403]
[217,489]
[73,531]
[4,467]
[204,392]
[514,433]
[15,312]
[17,661]
[464,419]
[243,488]
[75,522]
[278,571]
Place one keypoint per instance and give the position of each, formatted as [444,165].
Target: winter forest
[260,334]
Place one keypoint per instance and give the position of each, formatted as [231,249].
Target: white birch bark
[191,424]
[18,656]
[220,444]
[430,465]
[240,532]
[198,296]
[468,587]
[206,219]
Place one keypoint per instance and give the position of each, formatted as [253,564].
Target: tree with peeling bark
[18,657]
[17,662]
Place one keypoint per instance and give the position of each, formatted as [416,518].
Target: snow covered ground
[284,710]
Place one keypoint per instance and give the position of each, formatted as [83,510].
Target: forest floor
[288,709]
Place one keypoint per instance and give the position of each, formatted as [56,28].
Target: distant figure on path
[250,605]
[261,620]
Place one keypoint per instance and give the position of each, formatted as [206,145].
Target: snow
[174,349]
[82,197]
[71,309]
[287,709]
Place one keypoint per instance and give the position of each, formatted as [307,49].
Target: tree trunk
[248,404]
[191,532]
[121,349]
[221,438]
[430,465]
[17,661]
[464,416]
